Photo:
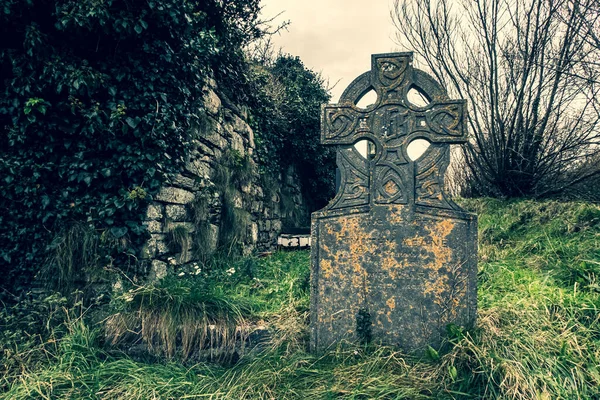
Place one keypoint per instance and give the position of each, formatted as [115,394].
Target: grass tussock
[537,335]
[178,319]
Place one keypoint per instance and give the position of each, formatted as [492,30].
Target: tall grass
[537,336]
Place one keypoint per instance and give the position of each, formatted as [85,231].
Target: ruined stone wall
[175,208]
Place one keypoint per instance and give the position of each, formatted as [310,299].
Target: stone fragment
[186,183]
[154,212]
[190,227]
[153,226]
[169,194]
[200,168]
[212,102]
[254,232]
[158,270]
[176,212]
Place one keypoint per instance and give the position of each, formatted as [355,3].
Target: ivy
[286,110]
[98,100]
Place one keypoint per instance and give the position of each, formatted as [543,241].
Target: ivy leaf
[132,122]
[118,231]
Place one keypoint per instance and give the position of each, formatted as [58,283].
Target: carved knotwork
[392,123]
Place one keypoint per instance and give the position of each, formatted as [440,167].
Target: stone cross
[393,259]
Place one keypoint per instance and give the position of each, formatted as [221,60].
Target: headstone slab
[393,259]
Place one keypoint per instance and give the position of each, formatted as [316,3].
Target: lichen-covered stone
[158,270]
[154,212]
[176,212]
[186,182]
[188,226]
[199,168]
[174,195]
[154,226]
[393,259]
[254,232]
[212,103]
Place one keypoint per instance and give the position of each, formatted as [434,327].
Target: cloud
[334,37]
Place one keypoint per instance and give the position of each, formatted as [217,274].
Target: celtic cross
[392,123]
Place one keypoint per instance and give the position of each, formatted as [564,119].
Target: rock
[199,168]
[174,195]
[154,212]
[185,182]
[153,226]
[212,103]
[158,270]
[176,212]
[190,227]
[254,232]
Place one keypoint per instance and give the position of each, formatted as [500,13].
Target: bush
[99,100]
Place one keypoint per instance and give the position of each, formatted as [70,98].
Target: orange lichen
[391,188]
[391,303]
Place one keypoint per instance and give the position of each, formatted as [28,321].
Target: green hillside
[538,333]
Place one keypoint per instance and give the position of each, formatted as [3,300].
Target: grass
[537,336]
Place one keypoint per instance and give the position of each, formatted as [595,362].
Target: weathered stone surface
[254,232]
[190,227]
[212,102]
[154,212]
[185,182]
[176,212]
[199,168]
[174,195]
[158,270]
[393,259]
[153,226]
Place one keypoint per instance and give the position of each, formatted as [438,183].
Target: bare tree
[529,70]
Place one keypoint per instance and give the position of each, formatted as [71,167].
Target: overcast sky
[334,37]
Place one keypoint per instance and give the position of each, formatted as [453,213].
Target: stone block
[199,168]
[176,212]
[174,195]
[212,103]
[185,182]
[190,227]
[154,212]
[154,226]
[158,270]
[276,225]
[254,232]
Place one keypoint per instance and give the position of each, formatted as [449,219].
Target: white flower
[230,271]
[197,272]
[355,352]
[181,273]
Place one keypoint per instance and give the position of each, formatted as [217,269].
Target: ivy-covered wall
[219,200]
[137,131]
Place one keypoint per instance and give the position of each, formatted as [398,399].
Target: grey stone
[156,246]
[276,226]
[185,182]
[176,212]
[154,212]
[199,168]
[170,225]
[154,226]
[237,143]
[174,195]
[212,102]
[254,232]
[158,270]
[393,259]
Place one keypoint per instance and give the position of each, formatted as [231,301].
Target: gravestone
[394,260]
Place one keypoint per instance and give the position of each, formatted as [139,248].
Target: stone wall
[175,208]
